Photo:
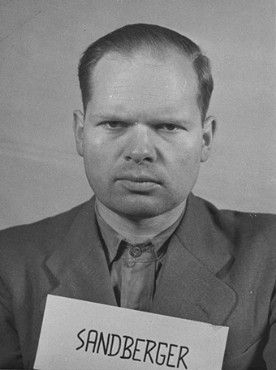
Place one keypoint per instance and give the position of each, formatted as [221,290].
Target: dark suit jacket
[220,270]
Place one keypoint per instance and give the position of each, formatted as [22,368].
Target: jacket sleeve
[10,354]
[270,349]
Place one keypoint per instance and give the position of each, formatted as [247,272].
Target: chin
[140,209]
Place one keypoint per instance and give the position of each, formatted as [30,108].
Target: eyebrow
[115,117]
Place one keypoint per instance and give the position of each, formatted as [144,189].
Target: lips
[138,178]
[138,183]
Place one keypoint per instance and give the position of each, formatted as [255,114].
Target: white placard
[80,335]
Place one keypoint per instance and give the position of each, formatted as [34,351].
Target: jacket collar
[201,234]
[188,286]
[78,267]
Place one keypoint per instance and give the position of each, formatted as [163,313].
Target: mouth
[139,179]
[139,183]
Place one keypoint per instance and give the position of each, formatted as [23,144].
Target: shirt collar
[113,240]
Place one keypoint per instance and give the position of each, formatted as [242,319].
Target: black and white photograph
[138,184]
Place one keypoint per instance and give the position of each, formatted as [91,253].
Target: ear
[78,126]
[208,132]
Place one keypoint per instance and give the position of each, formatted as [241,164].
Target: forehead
[143,83]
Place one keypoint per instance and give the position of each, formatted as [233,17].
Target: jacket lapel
[189,286]
[78,267]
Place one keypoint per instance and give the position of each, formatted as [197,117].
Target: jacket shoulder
[17,241]
[241,226]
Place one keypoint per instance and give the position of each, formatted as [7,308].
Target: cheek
[99,159]
[92,140]
[94,148]
[184,167]
[187,154]
[93,159]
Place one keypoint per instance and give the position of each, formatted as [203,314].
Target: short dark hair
[132,37]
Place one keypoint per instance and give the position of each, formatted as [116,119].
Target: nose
[140,146]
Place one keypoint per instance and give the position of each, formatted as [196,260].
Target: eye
[113,125]
[169,127]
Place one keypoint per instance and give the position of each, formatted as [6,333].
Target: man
[144,241]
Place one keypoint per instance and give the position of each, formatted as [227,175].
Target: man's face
[142,138]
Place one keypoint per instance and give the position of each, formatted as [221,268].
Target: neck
[140,229]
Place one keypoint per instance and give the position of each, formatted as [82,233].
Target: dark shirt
[134,269]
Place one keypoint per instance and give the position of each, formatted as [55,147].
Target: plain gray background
[41,42]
